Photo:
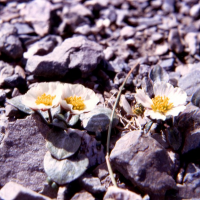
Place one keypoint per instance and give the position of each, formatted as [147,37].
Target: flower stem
[110,126]
[50,116]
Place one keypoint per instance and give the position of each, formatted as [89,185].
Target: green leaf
[16,102]
[196,98]
[67,170]
[62,144]
[158,74]
[73,120]
[174,138]
[98,119]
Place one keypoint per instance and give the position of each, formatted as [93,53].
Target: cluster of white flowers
[72,97]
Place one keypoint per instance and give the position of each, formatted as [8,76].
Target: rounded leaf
[174,138]
[196,98]
[62,144]
[67,170]
[17,102]
[158,74]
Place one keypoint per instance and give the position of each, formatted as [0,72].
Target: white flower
[168,101]
[44,96]
[77,98]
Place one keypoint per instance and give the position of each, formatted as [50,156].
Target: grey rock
[161,49]
[98,119]
[77,52]
[168,5]
[118,65]
[14,191]
[22,153]
[195,11]
[38,14]
[43,46]
[9,41]
[83,29]
[89,148]
[82,195]
[2,95]
[175,42]
[192,42]
[188,125]
[157,36]
[101,171]
[127,32]
[168,64]
[120,77]
[190,82]
[119,194]
[14,81]
[11,111]
[80,9]
[6,72]
[92,184]
[8,13]
[108,52]
[23,28]
[190,187]
[145,163]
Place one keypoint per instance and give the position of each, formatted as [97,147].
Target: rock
[43,46]
[98,120]
[108,52]
[188,124]
[161,49]
[168,6]
[120,77]
[89,148]
[22,153]
[23,29]
[15,81]
[127,32]
[9,41]
[2,95]
[82,195]
[77,52]
[175,42]
[118,65]
[190,82]
[157,36]
[15,191]
[6,71]
[167,64]
[101,171]
[38,14]
[145,163]
[191,40]
[195,11]
[119,194]
[11,111]
[190,187]
[92,184]
[8,13]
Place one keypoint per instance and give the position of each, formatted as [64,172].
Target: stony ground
[96,43]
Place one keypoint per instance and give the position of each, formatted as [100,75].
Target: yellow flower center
[45,99]
[77,102]
[161,104]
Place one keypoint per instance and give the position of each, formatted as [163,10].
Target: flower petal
[154,115]
[175,111]
[126,106]
[142,98]
[89,97]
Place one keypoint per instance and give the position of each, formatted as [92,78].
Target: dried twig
[110,126]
